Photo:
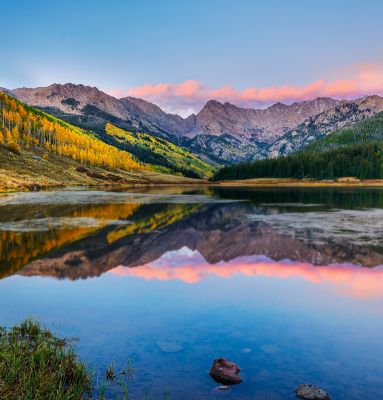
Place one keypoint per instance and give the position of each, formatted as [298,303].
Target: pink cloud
[355,81]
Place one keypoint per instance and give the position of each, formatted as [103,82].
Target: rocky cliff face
[221,133]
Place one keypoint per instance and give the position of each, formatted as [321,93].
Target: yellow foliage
[21,125]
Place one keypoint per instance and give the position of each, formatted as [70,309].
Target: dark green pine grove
[355,151]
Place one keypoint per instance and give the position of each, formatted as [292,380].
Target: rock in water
[310,392]
[169,347]
[225,372]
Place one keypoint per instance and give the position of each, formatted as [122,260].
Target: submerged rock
[310,392]
[169,347]
[225,372]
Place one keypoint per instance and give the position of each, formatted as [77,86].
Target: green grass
[163,155]
[36,365]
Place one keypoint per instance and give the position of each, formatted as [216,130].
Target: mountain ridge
[220,133]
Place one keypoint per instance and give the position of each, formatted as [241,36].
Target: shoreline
[288,182]
[260,183]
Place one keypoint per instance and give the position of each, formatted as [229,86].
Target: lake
[287,283]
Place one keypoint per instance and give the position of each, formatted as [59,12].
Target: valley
[219,134]
[142,144]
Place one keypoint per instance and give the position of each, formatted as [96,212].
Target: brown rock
[310,392]
[225,372]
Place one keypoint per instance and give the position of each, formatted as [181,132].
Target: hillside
[166,156]
[368,131]
[319,126]
[355,151]
[37,149]
[32,169]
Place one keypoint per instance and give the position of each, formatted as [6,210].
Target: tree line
[364,161]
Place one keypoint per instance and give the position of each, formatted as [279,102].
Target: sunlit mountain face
[173,278]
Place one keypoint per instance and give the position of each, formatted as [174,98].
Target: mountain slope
[318,126]
[24,126]
[91,108]
[353,151]
[37,149]
[158,152]
[369,130]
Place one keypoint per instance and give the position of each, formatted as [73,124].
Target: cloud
[354,81]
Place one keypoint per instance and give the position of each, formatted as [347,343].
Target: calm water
[287,283]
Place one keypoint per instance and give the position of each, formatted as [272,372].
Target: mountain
[353,151]
[38,149]
[91,108]
[318,126]
[225,134]
[220,134]
[263,125]
[215,118]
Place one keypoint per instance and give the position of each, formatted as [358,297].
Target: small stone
[223,387]
[225,372]
[310,392]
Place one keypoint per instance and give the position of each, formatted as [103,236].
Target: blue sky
[242,44]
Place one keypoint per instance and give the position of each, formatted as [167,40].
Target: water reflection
[191,267]
[79,240]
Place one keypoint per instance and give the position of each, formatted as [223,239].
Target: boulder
[225,372]
[311,392]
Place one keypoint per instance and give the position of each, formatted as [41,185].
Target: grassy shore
[36,365]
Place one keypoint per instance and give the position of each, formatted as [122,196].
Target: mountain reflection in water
[85,240]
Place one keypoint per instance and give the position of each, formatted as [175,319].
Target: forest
[355,151]
[22,126]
